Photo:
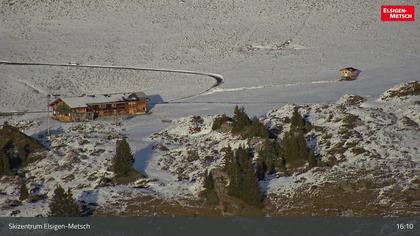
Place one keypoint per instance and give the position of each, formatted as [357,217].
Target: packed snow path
[218,78]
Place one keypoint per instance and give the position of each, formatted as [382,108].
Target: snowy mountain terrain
[243,40]
[361,142]
[272,55]
[370,151]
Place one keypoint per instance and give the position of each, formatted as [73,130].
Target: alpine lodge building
[90,107]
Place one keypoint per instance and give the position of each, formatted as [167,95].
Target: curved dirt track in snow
[218,78]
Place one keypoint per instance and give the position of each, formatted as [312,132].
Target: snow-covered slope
[269,51]
[79,158]
[369,153]
[358,142]
[373,142]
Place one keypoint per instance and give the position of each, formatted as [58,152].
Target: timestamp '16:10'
[408,226]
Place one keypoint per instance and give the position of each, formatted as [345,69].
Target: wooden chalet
[349,73]
[90,107]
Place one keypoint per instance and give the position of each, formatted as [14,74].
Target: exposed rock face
[411,88]
[351,100]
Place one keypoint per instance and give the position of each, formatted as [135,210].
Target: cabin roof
[84,101]
[349,69]
[138,95]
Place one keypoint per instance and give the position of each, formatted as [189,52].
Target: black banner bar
[201,226]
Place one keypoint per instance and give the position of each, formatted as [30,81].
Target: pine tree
[123,160]
[261,169]
[243,182]
[71,206]
[208,181]
[297,122]
[4,165]
[12,154]
[232,170]
[219,121]
[62,204]
[250,190]
[257,129]
[295,150]
[24,193]
[269,155]
[240,120]
[209,189]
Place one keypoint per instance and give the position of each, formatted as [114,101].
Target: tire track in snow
[27,84]
[33,87]
[223,90]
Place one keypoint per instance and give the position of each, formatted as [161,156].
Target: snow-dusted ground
[79,157]
[243,40]
[358,141]
[357,138]
[380,138]
[184,152]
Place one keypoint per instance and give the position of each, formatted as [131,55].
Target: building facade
[95,106]
[349,73]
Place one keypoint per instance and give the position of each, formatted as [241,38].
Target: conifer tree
[123,160]
[71,205]
[243,182]
[209,189]
[297,122]
[219,121]
[268,155]
[250,190]
[24,193]
[240,119]
[295,150]
[63,205]
[257,129]
[208,180]
[241,124]
[4,165]
[269,160]
[261,169]
[232,170]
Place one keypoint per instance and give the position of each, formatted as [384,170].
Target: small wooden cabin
[93,106]
[349,73]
